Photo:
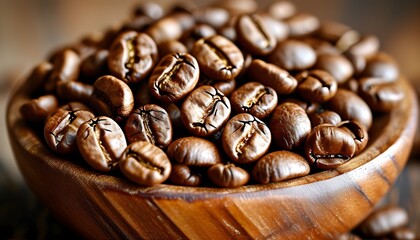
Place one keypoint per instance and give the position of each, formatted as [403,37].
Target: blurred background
[30,29]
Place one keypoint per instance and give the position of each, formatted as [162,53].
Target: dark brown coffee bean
[279,166]
[74,91]
[214,16]
[302,24]
[316,85]
[350,107]
[137,23]
[382,66]
[225,87]
[182,175]
[175,76]
[228,175]
[290,125]
[254,98]
[245,138]
[75,106]
[324,117]
[171,47]
[205,111]
[95,65]
[403,234]
[174,114]
[337,65]
[272,76]
[66,69]
[170,27]
[39,76]
[132,56]
[218,57]
[60,130]
[380,94]
[254,36]
[112,97]
[38,109]
[281,9]
[329,146]
[358,132]
[150,9]
[309,107]
[142,95]
[277,28]
[194,151]
[150,123]
[293,55]
[366,46]
[145,164]
[101,142]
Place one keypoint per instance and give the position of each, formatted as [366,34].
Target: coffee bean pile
[222,95]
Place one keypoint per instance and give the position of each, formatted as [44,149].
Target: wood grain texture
[318,206]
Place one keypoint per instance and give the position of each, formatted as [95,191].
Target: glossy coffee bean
[136,23]
[348,236]
[238,7]
[149,9]
[281,9]
[382,66]
[316,86]
[205,111]
[309,107]
[38,109]
[182,175]
[293,55]
[149,123]
[245,138]
[357,61]
[225,87]
[75,106]
[337,65]
[290,125]
[132,56]
[272,76]
[145,164]
[324,117]
[218,57]
[254,36]
[101,142]
[358,132]
[380,94]
[367,46]
[175,76]
[60,130]
[38,76]
[170,27]
[332,31]
[277,28]
[228,176]
[112,97]
[328,146]
[174,114]
[279,166]
[201,30]
[254,98]
[214,16]
[350,107]
[95,65]
[171,47]
[302,24]
[403,234]
[74,91]
[194,151]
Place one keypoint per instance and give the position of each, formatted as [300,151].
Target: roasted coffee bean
[290,125]
[95,65]
[205,111]
[245,138]
[350,107]
[281,9]
[112,97]
[293,55]
[254,98]
[366,46]
[254,36]
[171,47]
[337,65]
[277,28]
[225,87]
[380,94]
[170,27]
[382,66]
[238,7]
[101,142]
[137,23]
[149,123]
[38,76]
[75,106]
[302,24]
[194,151]
[174,114]
[320,46]
[272,76]
[182,175]
[214,16]
[150,9]
[142,95]
[328,146]
[358,132]
[66,69]
[74,91]
[145,164]
[324,117]
[309,107]
[348,236]
[175,76]
[332,31]
[383,221]
[403,234]
[38,109]
[279,166]
[60,130]
[316,86]
[218,57]
[132,56]
[202,30]
[357,61]
[228,175]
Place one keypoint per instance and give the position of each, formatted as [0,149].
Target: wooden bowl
[321,205]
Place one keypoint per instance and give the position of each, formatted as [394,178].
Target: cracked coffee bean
[316,86]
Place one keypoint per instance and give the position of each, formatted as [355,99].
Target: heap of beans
[222,95]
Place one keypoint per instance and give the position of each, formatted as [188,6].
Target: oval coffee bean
[302,24]
[132,56]
[316,85]
[194,151]
[112,97]
[74,91]
[101,142]
[66,69]
[380,94]
[324,117]
[245,138]
[228,175]
[382,66]
[214,16]
[39,76]
[403,233]
[309,107]
[171,47]
[254,98]
[366,46]
[38,109]
[218,57]
[290,125]
[281,9]
[337,65]
[293,55]
[358,132]
[95,65]
[167,28]
[329,146]
[175,76]
[225,87]
[279,166]
[182,175]
[277,28]
[145,164]
[254,36]
[60,130]
[149,123]
[205,111]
